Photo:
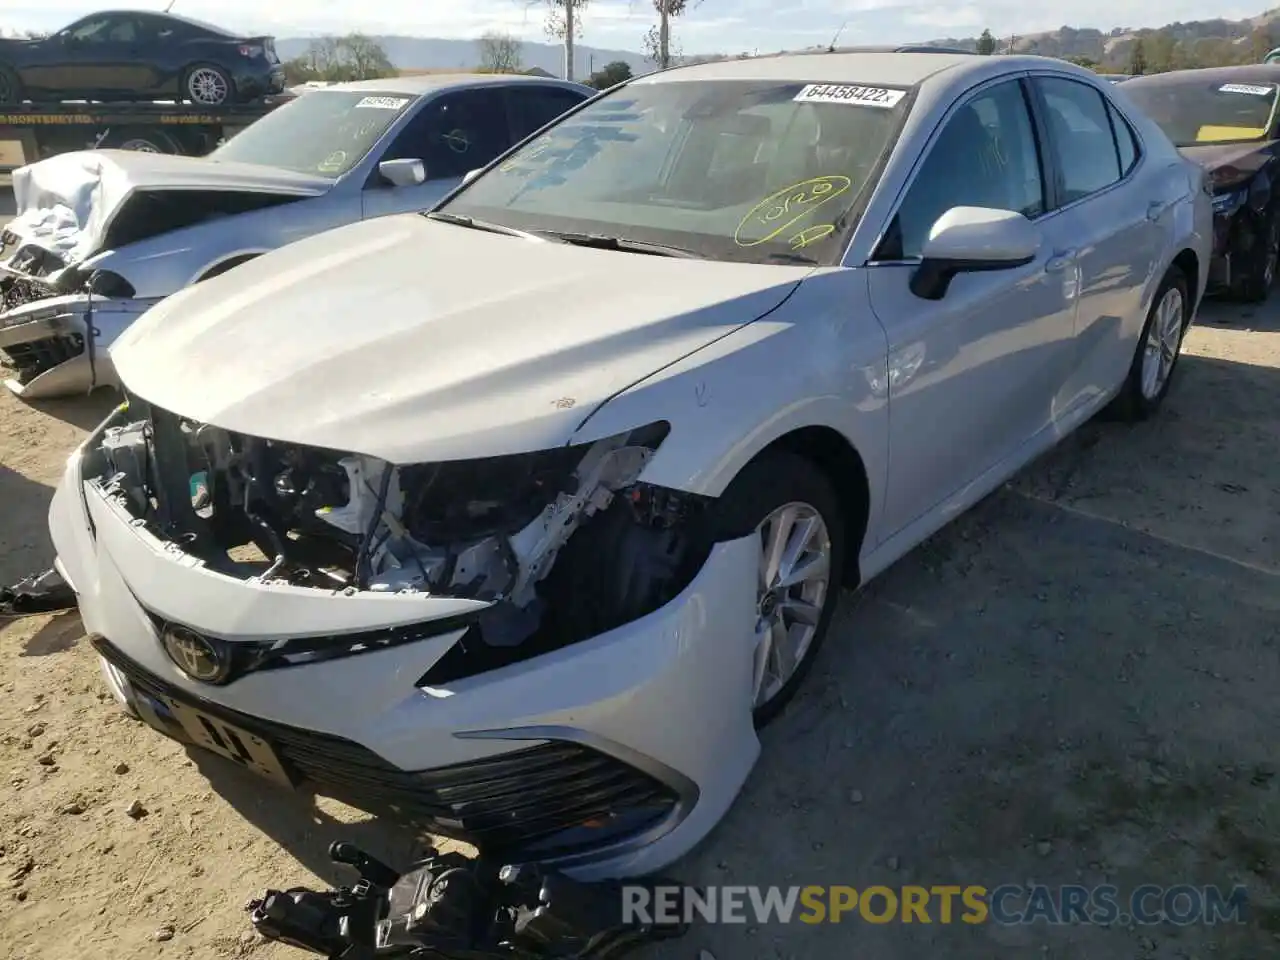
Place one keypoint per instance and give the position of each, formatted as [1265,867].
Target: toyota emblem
[199,657]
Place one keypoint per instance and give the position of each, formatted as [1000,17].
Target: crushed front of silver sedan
[55,322]
[61,307]
[561,544]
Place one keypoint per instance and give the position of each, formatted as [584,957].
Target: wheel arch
[1189,263]
[222,266]
[840,462]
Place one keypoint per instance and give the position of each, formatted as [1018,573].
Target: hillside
[1197,42]
[436,53]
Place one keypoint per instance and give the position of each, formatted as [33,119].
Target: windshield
[324,132]
[730,170]
[1194,110]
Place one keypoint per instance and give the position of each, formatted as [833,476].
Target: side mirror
[471,175]
[971,240]
[403,173]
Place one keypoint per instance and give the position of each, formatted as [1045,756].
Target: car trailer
[33,131]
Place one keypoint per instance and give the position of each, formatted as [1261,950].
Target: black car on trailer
[140,55]
[1225,119]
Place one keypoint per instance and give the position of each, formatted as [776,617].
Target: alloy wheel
[795,574]
[140,146]
[1164,340]
[207,86]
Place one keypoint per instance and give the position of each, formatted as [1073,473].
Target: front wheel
[796,515]
[1259,271]
[1159,348]
[208,86]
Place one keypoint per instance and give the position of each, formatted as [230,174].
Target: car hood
[416,341]
[1248,158]
[67,202]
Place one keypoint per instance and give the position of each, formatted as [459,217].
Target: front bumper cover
[649,724]
[59,346]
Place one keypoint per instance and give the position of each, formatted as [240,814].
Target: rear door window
[1082,138]
[532,108]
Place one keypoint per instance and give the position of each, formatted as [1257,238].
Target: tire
[10,86]
[142,140]
[766,486]
[1257,278]
[1140,396]
[207,85]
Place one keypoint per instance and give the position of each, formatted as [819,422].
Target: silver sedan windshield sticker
[383,103]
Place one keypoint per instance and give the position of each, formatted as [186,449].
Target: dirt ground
[1076,683]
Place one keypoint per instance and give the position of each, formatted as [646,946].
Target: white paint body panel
[412,340]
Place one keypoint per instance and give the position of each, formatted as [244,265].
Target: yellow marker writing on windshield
[811,235]
[787,207]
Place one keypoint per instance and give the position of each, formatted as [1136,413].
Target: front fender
[162,265]
[819,360]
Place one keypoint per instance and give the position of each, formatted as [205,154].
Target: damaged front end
[561,545]
[57,321]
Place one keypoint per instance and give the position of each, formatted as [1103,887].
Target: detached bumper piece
[43,593]
[450,908]
[547,801]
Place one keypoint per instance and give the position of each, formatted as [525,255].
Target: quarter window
[1126,142]
[1086,149]
[985,156]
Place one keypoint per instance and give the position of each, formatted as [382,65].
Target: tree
[1083,62]
[986,44]
[1161,52]
[610,75]
[564,23]
[1260,45]
[1138,59]
[500,53]
[340,59]
[657,42]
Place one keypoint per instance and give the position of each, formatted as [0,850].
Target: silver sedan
[101,236]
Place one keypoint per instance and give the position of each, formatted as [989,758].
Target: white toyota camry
[518,518]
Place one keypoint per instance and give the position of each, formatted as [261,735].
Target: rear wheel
[208,85]
[10,86]
[1159,348]
[796,515]
[142,141]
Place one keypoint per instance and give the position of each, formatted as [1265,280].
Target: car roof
[189,21]
[1255,72]
[420,84]
[889,67]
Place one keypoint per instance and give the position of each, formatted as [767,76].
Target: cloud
[710,27]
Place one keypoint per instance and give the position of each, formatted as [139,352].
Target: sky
[711,26]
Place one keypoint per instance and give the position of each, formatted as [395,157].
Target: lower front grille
[551,800]
[29,360]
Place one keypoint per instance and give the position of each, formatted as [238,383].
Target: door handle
[1156,209]
[1060,260]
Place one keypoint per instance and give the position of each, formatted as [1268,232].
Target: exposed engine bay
[564,543]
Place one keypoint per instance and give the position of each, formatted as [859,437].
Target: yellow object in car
[1216,134]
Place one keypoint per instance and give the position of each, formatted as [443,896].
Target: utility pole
[1012,41]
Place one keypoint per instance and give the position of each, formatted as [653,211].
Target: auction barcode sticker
[1254,89]
[846,93]
[383,103]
